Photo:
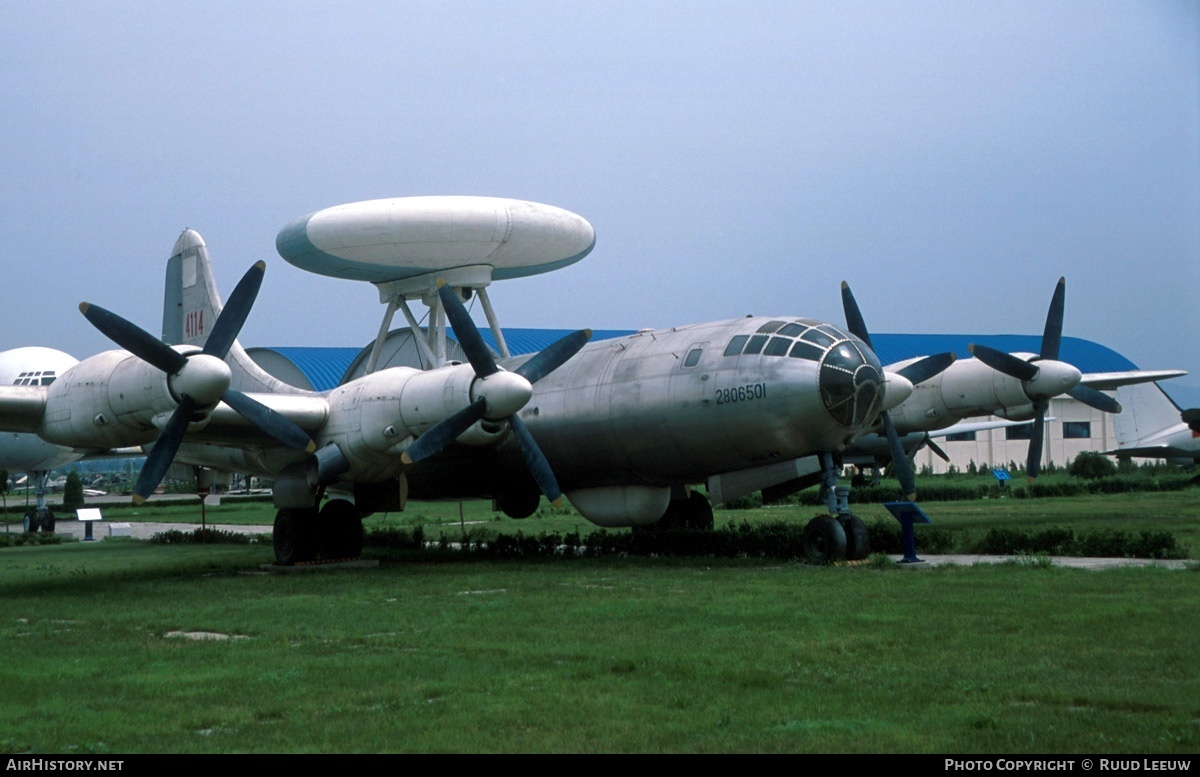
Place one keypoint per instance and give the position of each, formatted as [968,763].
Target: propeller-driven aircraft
[1012,386]
[1154,427]
[623,427]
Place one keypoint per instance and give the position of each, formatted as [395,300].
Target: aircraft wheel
[30,524]
[295,536]
[519,504]
[823,541]
[697,512]
[858,539]
[340,529]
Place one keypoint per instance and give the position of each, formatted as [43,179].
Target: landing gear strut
[839,535]
[39,516]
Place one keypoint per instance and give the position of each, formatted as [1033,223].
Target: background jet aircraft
[1154,427]
[28,453]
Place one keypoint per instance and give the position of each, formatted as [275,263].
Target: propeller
[1044,377]
[199,380]
[500,393]
[918,371]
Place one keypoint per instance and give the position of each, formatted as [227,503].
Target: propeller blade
[854,319]
[134,339]
[1093,398]
[1191,417]
[930,366]
[536,461]
[465,330]
[900,461]
[1003,362]
[278,426]
[553,356]
[1052,336]
[937,449]
[163,452]
[233,315]
[444,432]
[1033,464]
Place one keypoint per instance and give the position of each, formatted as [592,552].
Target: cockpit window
[791,330]
[769,327]
[819,337]
[803,350]
[735,345]
[38,378]
[778,346]
[756,344]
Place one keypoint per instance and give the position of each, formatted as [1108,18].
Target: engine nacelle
[374,419]
[109,400]
[1018,413]
[966,388]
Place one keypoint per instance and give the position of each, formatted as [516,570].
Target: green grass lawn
[588,655]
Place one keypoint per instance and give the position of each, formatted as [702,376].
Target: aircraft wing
[21,407]
[978,426]
[308,411]
[1153,452]
[1108,381]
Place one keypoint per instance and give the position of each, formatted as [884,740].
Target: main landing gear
[839,535]
[39,516]
[306,534]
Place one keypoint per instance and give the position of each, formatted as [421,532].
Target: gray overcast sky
[950,160]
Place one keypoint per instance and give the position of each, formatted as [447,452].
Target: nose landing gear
[840,534]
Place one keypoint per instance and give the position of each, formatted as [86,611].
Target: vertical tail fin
[1146,410]
[191,305]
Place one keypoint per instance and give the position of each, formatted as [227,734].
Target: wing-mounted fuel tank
[113,399]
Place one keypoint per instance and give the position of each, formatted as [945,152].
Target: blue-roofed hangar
[1074,427]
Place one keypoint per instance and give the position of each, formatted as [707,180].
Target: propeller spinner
[499,393]
[198,380]
[1044,377]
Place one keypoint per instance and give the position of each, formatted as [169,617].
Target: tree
[73,492]
[1091,466]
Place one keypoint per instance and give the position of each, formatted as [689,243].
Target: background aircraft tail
[190,306]
[1146,409]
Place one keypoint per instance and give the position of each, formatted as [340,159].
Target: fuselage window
[735,345]
[756,344]
[693,357]
[803,350]
[769,327]
[778,346]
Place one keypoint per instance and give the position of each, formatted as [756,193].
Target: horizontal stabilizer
[1107,381]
